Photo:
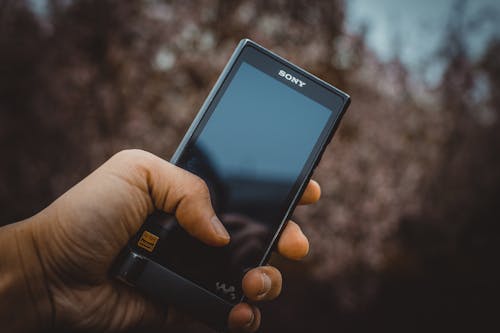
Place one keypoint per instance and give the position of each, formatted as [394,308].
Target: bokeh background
[406,237]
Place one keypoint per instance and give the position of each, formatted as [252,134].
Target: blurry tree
[405,237]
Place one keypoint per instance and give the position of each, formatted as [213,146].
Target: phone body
[256,142]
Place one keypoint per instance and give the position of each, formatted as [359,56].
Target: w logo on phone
[227,291]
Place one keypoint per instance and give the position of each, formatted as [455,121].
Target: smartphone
[255,142]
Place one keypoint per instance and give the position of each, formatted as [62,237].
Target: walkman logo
[291,78]
[229,291]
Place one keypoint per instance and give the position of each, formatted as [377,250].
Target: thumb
[177,191]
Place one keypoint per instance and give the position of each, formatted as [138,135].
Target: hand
[67,249]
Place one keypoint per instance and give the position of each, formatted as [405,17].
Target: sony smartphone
[255,142]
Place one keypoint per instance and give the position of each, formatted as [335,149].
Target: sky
[417,28]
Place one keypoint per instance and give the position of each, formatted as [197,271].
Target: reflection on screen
[250,153]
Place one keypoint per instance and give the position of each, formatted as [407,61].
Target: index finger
[311,194]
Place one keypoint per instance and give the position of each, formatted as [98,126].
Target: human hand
[73,242]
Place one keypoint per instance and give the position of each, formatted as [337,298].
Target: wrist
[25,301]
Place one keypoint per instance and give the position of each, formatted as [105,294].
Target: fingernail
[219,228]
[266,284]
[250,320]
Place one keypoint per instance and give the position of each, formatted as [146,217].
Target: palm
[85,241]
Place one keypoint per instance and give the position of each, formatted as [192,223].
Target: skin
[54,266]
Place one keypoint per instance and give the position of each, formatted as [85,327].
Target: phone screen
[251,149]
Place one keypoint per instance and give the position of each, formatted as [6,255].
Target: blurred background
[407,235]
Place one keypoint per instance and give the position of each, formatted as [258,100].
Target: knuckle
[131,155]
[134,162]
[134,158]
[198,186]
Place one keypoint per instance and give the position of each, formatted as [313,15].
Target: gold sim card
[148,241]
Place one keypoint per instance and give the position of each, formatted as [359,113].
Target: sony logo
[291,78]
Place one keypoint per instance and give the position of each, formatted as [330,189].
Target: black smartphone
[255,142]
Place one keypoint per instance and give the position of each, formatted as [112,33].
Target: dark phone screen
[250,152]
